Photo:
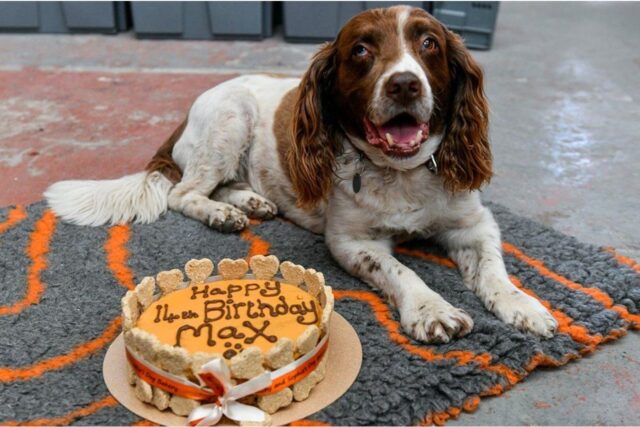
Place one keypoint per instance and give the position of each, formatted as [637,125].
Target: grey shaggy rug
[60,303]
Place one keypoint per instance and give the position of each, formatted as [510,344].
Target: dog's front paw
[435,321]
[258,207]
[525,313]
[228,219]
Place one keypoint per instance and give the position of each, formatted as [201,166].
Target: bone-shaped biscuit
[270,403]
[308,339]
[198,270]
[130,310]
[327,309]
[233,269]
[266,422]
[161,398]
[182,406]
[247,364]
[174,359]
[302,388]
[143,391]
[280,354]
[264,267]
[131,374]
[322,366]
[146,344]
[169,281]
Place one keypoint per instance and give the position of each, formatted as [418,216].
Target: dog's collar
[432,165]
[356,181]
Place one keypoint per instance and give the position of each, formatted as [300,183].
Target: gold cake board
[343,365]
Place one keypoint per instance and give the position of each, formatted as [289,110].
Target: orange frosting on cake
[228,316]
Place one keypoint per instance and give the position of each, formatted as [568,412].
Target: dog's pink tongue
[403,134]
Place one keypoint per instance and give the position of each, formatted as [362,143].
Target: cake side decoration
[234,345]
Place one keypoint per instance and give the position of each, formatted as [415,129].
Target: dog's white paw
[227,219]
[434,320]
[525,313]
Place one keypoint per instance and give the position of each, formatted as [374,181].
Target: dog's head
[399,84]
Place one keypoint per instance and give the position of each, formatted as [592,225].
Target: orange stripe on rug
[565,323]
[578,333]
[417,253]
[92,408]
[58,362]
[631,263]
[37,250]
[309,423]
[117,255]
[14,217]
[257,245]
[383,316]
[595,293]
[471,404]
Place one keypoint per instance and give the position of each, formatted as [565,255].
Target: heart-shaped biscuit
[198,269]
[169,281]
[233,269]
[314,281]
[292,273]
[264,267]
[145,290]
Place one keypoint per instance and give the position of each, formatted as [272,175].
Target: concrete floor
[564,84]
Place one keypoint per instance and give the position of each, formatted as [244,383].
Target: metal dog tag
[356,183]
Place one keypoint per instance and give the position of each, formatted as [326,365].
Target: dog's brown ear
[311,157]
[464,155]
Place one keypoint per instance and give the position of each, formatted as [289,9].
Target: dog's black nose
[403,87]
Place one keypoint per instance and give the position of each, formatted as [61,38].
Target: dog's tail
[141,197]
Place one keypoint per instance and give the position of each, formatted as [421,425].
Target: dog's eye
[429,44]
[360,51]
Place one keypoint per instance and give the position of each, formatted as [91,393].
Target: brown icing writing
[163,315]
[228,315]
[196,333]
[271,289]
[230,332]
[205,292]
[259,332]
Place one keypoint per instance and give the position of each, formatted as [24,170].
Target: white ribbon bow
[217,376]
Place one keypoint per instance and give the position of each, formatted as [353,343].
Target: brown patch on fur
[162,161]
[464,156]
[311,158]
[282,127]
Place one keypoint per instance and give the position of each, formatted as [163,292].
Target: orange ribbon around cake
[219,395]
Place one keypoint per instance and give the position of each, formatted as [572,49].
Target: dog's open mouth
[401,136]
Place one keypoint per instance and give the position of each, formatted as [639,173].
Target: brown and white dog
[395,104]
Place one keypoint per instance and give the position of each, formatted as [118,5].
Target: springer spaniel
[385,136]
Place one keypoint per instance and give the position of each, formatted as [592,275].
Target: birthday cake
[237,345]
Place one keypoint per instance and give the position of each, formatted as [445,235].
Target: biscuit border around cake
[248,363]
